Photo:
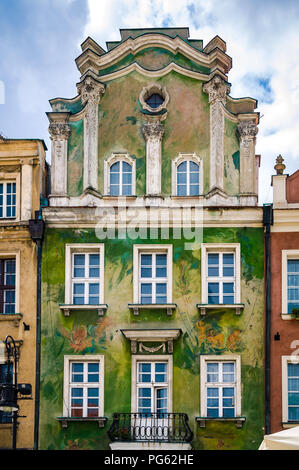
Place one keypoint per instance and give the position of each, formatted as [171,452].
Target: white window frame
[12,178]
[220,248]
[182,157]
[80,248]
[204,384]
[136,359]
[114,158]
[17,256]
[285,256]
[285,360]
[68,360]
[151,249]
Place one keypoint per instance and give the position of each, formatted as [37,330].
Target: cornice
[132,46]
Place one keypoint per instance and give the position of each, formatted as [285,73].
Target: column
[91,91]
[153,133]
[247,131]
[217,89]
[59,134]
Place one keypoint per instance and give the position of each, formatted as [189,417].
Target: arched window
[120,175]
[188,178]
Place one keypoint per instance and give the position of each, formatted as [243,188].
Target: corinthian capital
[59,131]
[153,130]
[247,129]
[90,90]
[217,89]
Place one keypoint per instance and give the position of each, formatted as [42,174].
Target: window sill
[67,308]
[204,307]
[64,420]
[290,424]
[239,420]
[137,307]
[289,316]
[14,317]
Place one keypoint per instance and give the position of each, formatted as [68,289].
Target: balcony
[150,427]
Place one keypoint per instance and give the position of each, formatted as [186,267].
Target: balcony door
[151,421]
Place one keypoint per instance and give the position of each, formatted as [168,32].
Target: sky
[40,40]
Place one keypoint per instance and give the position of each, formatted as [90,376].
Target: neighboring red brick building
[284,299]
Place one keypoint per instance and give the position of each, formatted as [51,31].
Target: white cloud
[262,39]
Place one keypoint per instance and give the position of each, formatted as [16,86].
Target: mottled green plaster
[219,332]
[75,161]
[231,170]
[64,105]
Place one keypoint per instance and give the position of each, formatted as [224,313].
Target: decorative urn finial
[279,167]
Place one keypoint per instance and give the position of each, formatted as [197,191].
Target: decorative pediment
[160,340]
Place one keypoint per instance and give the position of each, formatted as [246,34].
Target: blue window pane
[94,260]
[228,288]
[194,178]
[213,413]
[182,167]
[213,402]
[213,258]
[79,272]
[93,367]
[79,289]
[162,393]
[127,167]
[127,179]
[145,367]
[228,258]
[93,392]
[294,413]
[1,210]
[293,294]
[182,190]
[77,392]
[114,179]
[93,289]
[293,398]
[114,190]
[146,289]
[293,370]
[115,167]
[79,260]
[194,167]
[228,367]
[228,412]
[293,384]
[1,188]
[144,392]
[94,272]
[212,367]
[144,403]
[181,178]
[293,266]
[293,280]
[160,367]
[127,190]
[213,392]
[146,260]
[146,272]
[77,367]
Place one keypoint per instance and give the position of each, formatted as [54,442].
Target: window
[8,285]
[290,282]
[188,179]
[221,274]
[86,278]
[120,173]
[220,387]
[186,175]
[290,389]
[6,376]
[155,100]
[153,283]
[7,200]
[84,274]
[84,386]
[152,387]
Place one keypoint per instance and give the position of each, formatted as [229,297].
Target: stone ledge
[239,420]
[67,308]
[137,307]
[14,317]
[204,307]
[64,420]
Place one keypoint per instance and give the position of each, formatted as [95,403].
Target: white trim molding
[285,360]
[236,359]
[221,248]
[114,158]
[70,249]
[285,256]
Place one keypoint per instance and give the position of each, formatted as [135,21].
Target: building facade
[153,255]
[284,326]
[23,179]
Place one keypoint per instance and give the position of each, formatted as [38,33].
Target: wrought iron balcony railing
[150,427]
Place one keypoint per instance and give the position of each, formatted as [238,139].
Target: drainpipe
[267,222]
[36,229]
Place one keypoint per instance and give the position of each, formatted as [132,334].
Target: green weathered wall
[217,333]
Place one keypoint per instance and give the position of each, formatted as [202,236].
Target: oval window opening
[155,100]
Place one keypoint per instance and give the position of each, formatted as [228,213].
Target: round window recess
[154,98]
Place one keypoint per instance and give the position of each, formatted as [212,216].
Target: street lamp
[9,391]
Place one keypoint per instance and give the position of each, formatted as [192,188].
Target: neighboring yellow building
[23,180]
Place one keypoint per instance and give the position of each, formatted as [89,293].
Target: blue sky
[40,40]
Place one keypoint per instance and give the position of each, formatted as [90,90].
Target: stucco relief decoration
[142,347]
[153,131]
[59,131]
[247,131]
[217,90]
[91,91]
[154,88]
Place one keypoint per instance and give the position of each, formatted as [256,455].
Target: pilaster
[91,91]
[217,90]
[59,131]
[247,131]
[153,132]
